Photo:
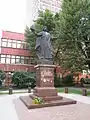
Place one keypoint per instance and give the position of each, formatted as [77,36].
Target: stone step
[27,100]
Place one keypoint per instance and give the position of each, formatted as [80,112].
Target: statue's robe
[43,45]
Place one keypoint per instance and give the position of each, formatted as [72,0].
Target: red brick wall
[12,51]
[9,67]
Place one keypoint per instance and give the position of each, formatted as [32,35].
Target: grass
[71,90]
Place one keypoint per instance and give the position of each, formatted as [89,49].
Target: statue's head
[45,29]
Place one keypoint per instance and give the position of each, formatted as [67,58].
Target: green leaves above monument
[72,26]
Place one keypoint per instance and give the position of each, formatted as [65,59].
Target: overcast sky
[13,15]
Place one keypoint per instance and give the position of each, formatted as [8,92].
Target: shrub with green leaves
[2,76]
[68,80]
[23,79]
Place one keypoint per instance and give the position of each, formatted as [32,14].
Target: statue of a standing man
[43,47]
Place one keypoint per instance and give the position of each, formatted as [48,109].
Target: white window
[2,60]
[12,56]
[3,56]
[13,45]
[12,61]
[4,44]
[9,44]
[22,61]
[8,60]
[19,42]
[18,45]
[8,56]
[17,59]
[4,39]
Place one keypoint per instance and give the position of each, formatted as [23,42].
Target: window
[8,59]
[17,59]
[12,59]
[4,44]
[9,43]
[23,45]
[18,44]
[22,59]
[3,58]
[13,45]
[4,39]
[26,60]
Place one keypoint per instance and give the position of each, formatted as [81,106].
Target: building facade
[36,5]
[14,53]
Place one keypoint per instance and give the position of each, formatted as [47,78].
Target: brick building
[14,54]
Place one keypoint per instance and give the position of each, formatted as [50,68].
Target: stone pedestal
[45,83]
[45,89]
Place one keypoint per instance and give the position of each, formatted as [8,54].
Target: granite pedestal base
[27,100]
[45,89]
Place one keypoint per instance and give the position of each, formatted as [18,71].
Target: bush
[2,76]
[68,80]
[57,81]
[23,79]
[85,81]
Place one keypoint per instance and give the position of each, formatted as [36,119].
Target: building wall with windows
[14,53]
[34,6]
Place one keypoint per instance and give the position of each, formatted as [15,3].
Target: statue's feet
[45,61]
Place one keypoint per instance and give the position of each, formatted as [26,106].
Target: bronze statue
[44,49]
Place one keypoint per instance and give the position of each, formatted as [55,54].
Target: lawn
[72,90]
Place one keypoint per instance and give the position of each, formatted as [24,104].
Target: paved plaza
[11,108]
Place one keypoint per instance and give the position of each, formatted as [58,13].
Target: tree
[72,26]
[73,21]
[23,79]
[2,76]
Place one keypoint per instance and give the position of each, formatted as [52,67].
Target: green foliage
[57,80]
[85,80]
[46,19]
[68,80]
[23,79]
[2,76]
[72,27]
[74,19]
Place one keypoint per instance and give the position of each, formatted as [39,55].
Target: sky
[13,15]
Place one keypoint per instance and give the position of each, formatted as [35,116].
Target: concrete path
[77,97]
[10,110]
[7,108]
